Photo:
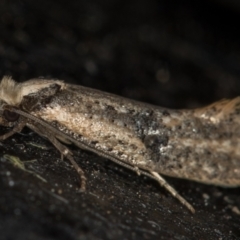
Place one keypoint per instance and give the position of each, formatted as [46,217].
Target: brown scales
[200,145]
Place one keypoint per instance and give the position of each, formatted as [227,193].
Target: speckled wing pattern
[200,144]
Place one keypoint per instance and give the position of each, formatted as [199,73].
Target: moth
[195,144]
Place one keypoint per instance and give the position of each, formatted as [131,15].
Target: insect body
[201,144]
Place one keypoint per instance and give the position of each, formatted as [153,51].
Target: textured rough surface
[181,57]
[201,144]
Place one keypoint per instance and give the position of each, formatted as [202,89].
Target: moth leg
[137,170]
[16,129]
[68,154]
[63,150]
[175,194]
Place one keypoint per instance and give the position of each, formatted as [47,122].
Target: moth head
[7,118]
[9,95]
[10,91]
[24,96]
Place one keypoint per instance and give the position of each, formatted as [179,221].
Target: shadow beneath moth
[201,144]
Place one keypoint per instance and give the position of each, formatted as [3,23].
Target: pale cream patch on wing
[108,134]
[218,111]
[225,146]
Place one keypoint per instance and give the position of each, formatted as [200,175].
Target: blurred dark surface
[173,54]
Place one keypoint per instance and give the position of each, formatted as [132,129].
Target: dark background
[170,53]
